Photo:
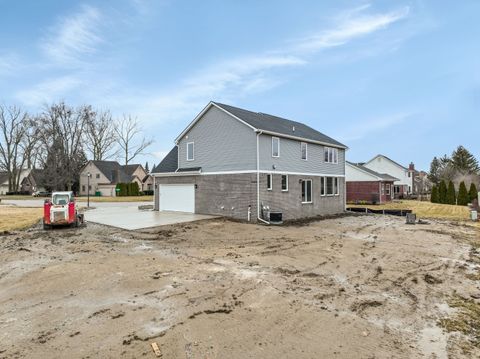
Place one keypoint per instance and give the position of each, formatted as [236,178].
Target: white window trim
[193,150]
[333,151]
[270,185]
[311,191]
[285,190]
[336,189]
[273,138]
[324,186]
[306,151]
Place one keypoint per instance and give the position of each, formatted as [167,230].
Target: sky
[400,78]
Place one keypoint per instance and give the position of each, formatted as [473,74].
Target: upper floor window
[97,175]
[275,147]
[190,150]
[331,155]
[303,147]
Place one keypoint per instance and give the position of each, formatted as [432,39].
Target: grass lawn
[92,198]
[426,209]
[13,218]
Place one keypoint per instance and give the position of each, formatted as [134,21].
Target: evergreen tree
[434,174]
[464,162]
[451,193]
[472,194]
[434,195]
[442,192]
[146,167]
[462,195]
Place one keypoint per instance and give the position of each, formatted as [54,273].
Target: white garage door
[177,197]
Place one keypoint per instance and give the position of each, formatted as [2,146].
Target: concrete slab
[130,217]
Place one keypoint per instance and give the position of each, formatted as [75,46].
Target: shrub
[148,192]
[472,194]
[451,197]
[442,192]
[462,199]
[434,195]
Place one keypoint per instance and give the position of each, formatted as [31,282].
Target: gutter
[259,132]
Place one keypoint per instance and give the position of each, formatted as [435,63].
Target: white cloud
[48,91]
[350,26]
[256,73]
[371,127]
[74,37]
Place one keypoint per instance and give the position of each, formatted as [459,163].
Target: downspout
[258,180]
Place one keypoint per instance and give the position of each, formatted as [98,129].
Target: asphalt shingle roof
[169,163]
[113,171]
[266,122]
[383,176]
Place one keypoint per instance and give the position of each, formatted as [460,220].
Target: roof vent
[293,128]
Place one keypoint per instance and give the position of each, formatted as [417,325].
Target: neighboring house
[403,187]
[366,185]
[147,183]
[33,182]
[4,181]
[242,164]
[104,176]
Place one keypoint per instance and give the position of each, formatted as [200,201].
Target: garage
[177,197]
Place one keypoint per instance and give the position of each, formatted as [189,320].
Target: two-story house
[104,176]
[242,164]
[403,186]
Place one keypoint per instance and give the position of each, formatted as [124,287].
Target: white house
[382,164]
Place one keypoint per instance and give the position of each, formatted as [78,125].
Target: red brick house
[366,185]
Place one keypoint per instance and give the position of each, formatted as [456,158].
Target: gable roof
[113,171]
[380,176]
[389,159]
[169,162]
[3,177]
[270,124]
[129,169]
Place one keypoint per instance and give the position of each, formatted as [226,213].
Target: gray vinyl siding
[222,143]
[290,159]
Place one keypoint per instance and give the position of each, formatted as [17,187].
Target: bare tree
[31,144]
[101,136]
[13,131]
[60,133]
[128,131]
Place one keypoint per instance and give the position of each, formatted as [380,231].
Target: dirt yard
[351,287]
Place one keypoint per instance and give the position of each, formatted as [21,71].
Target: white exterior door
[177,197]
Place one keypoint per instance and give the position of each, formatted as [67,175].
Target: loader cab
[62,198]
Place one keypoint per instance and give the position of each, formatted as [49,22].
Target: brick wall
[230,195]
[369,191]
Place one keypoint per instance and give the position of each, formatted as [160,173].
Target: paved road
[38,202]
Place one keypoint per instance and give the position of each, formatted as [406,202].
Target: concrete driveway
[128,216]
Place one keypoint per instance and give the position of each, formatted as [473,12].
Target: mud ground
[350,287]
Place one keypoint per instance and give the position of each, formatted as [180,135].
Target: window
[284,183]
[331,155]
[269,182]
[275,147]
[83,188]
[322,185]
[190,150]
[388,189]
[330,186]
[97,175]
[335,181]
[383,188]
[90,188]
[303,147]
[306,191]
